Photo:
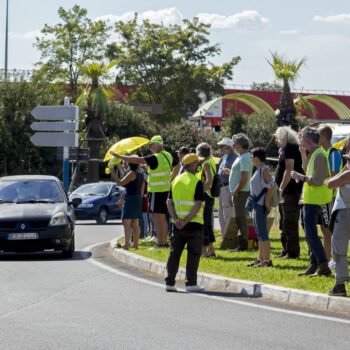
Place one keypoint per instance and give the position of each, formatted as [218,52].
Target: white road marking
[222,299]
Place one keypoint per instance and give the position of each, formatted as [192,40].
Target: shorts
[325,215]
[157,202]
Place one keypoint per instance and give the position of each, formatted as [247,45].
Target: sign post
[57,130]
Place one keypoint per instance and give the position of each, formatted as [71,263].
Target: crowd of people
[312,180]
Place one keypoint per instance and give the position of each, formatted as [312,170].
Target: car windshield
[93,190]
[30,191]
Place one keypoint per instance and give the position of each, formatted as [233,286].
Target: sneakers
[338,290]
[322,270]
[264,263]
[309,271]
[193,289]
[170,288]
[257,261]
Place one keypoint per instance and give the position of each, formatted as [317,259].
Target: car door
[114,197]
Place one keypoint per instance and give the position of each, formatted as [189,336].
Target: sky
[318,30]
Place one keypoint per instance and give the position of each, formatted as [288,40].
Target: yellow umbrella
[124,146]
[340,144]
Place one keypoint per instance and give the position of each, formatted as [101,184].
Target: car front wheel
[68,253]
[102,216]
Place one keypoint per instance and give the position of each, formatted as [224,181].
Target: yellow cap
[157,139]
[190,158]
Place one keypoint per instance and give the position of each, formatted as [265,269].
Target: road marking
[222,299]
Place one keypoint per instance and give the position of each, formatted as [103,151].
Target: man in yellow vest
[315,195]
[162,168]
[185,206]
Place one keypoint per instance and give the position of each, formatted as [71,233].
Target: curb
[247,288]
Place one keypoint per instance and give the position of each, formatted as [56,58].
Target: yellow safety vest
[200,175]
[183,189]
[159,178]
[318,195]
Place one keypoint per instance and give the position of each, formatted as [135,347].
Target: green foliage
[234,123]
[266,86]
[169,65]
[66,46]
[260,129]
[17,98]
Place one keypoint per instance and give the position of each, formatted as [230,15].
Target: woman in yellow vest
[186,210]
[315,195]
[206,174]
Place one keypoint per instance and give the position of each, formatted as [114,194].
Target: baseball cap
[157,139]
[190,158]
[226,142]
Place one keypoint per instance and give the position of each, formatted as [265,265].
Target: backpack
[215,187]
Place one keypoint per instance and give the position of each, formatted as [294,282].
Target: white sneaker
[170,288]
[331,264]
[196,288]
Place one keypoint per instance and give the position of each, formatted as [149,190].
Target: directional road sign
[55,139]
[54,126]
[55,112]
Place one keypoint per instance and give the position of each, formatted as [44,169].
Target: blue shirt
[242,163]
[335,161]
[226,162]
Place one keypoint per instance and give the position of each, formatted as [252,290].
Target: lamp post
[6,36]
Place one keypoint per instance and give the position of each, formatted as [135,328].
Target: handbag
[252,200]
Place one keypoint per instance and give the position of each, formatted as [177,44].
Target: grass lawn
[233,265]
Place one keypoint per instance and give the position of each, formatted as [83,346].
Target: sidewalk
[247,288]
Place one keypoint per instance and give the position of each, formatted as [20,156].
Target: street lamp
[6,36]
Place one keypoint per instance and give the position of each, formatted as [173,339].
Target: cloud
[289,32]
[168,16]
[341,18]
[245,20]
[30,35]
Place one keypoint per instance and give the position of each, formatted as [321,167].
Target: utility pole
[6,37]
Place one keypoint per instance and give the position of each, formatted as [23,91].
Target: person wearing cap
[185,206]
[206,174]
[162,169]
[341,229]
[226,210]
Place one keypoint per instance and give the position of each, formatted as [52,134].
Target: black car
[35,215]
[99,201]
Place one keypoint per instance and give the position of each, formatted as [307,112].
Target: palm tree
[94,101]
[286,71]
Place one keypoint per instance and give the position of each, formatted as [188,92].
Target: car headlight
[59,219]
[85,205]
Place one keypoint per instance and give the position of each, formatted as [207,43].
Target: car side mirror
[75,202]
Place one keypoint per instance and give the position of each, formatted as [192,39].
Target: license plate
[22,236]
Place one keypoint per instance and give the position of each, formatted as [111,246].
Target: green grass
[233,265]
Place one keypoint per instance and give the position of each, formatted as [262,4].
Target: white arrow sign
[54,126]
[55,112]
[55,139]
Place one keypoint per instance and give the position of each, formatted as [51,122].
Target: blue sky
[316,29]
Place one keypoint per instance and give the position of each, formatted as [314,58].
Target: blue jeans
[311,215]
[260,222]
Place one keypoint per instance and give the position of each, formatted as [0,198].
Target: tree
[266,86]
[67,45]
[94,102]
[286,71]
[169,65]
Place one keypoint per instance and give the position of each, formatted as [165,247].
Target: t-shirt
[198,196]
[152,161]
[290,151]
[226,162]
[335,160]
[242,163]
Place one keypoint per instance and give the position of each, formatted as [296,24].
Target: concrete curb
[248,288]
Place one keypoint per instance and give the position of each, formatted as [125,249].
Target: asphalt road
[94,302]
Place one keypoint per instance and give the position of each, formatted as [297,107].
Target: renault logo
[23,226]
